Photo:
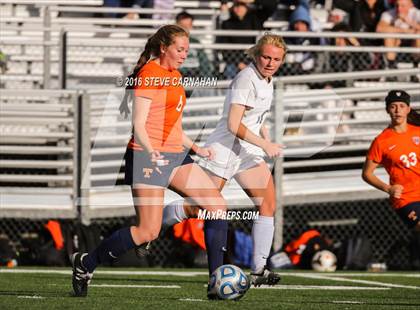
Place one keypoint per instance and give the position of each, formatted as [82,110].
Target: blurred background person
[404,18]
[197,63]
[302,62]
[242,17]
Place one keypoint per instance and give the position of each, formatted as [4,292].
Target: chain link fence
[373,219]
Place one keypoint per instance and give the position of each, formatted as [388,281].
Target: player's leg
[182,209]
[391,56]
[258,183]
[192,182]
[148,201]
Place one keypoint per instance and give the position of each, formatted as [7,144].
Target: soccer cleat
[143,250]
[266,276]
[81,277]
[211,295]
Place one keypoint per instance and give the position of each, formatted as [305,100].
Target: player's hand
[273,149]
[206,152]
[158,159]
[395,190]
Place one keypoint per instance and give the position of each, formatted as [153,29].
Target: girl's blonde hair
[268,38]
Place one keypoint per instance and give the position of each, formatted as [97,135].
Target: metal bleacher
[38,153]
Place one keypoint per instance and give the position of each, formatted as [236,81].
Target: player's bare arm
[237,128]
[205,152]
[140,113]
[369,176]
[265,133]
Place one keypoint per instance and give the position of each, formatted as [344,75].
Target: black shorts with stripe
[140,170]
[410,214]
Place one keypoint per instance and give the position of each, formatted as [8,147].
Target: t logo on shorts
[147,172]
[412,216]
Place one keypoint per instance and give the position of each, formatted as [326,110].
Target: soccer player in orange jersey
[397,148]
[156,158]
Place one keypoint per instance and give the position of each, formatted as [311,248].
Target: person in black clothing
[242,17]
[364,16]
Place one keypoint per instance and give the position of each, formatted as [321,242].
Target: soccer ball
[324,261]
[229,282]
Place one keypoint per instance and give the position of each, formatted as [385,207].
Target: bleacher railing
[39,150]
[335,121]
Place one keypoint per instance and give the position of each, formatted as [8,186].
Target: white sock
[262,239]
[173,213]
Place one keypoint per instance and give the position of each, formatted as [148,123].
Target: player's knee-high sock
[262,238]
[215,235]
[110,248]
[173,213]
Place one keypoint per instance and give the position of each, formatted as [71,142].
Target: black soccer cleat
[81,277]
[265,277]
[143,250]
[211,295]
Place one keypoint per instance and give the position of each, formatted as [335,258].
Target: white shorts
[227,164]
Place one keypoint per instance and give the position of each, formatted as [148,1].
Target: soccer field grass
[46,288]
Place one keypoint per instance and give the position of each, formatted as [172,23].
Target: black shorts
[140,170]
[410,214]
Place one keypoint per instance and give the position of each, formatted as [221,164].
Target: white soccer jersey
[248,88]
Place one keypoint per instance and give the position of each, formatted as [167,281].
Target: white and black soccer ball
[324,261]
[229,282]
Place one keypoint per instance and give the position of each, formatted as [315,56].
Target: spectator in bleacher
[302,62]
[364,16]
[127,4]
[295,2]
[397,148]
[197,63]
[404,18]
[337,16]
[346,61]
[242,17]
[163,5]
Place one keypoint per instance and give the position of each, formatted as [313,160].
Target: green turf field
[48,288]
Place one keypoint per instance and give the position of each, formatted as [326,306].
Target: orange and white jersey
[399,153]
[164,121]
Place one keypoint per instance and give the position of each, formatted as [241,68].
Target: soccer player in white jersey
[240,142]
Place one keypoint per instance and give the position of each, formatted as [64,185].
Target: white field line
[203,273]
[134,286]
[106,272]
[30,297]
[191,299]
[347,302]
[360,274]
[327,277]
[316,287]
[320,287]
